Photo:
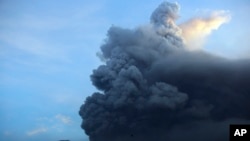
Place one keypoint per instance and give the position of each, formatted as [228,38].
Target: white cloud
[58,119]
[7,133]
[37,131]
[56,123]
[32,45]
[64,119]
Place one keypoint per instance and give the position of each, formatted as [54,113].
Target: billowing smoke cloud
[197,29]
[154,89]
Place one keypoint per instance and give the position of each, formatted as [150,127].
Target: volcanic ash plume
[153,89]
[196,30]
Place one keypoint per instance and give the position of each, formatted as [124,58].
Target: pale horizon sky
[48,51]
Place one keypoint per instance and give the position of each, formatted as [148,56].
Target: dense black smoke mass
[153,89]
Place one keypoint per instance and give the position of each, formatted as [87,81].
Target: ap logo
[239,132]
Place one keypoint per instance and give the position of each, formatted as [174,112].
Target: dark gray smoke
[153,89]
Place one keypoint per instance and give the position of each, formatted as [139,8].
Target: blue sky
[48,50]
